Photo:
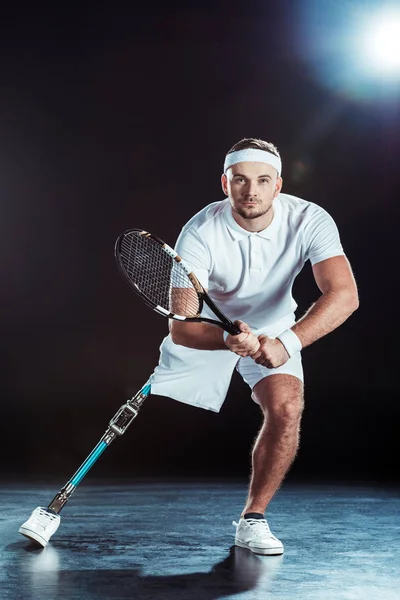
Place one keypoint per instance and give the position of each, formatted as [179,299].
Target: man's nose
[252,188]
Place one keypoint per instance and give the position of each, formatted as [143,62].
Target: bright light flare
[382,43]
[352,47]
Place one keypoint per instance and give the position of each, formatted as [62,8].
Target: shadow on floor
[239,572]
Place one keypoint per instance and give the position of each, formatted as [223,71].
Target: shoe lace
[43,518]
[260,527]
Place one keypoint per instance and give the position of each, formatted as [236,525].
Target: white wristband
[225,334]
[291,342]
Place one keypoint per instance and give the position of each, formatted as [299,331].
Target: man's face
[251,188]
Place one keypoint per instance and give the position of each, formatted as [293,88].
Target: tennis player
[247,251]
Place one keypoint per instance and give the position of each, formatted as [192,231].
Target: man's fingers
[261,338]
[240,337]
[244,343]
[243,326]
[264,362]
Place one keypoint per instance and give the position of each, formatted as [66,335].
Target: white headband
[253,155]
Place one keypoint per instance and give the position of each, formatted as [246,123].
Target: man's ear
[278,187]
[224,183]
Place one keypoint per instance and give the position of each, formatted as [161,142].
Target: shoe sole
[33,535]
[263,551]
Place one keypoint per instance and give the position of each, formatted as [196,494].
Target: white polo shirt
[250,277]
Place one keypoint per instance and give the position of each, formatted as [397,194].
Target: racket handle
[232,329]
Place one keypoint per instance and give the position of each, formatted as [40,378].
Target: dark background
[113,117]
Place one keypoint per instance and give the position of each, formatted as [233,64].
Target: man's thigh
[273,385]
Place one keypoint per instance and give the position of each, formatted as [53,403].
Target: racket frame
[225,323]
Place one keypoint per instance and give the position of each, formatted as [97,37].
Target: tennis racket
[163,281]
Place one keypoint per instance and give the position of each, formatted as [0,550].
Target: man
[247,251]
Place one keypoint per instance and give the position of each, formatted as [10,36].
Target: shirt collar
[238,233]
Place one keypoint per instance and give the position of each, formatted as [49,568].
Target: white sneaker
[255,535]
[41,525]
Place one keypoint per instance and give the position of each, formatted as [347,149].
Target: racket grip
[232,329]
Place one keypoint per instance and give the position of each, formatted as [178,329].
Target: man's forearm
[200,336]
[328,312]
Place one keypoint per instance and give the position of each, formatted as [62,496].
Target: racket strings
[157,276]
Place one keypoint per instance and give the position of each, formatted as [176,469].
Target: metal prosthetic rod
[44,522]
[117,427]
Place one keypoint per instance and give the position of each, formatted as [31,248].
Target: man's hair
[254,143]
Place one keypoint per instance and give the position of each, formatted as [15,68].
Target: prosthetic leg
[44,522]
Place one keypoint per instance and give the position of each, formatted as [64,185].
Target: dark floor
[175,541]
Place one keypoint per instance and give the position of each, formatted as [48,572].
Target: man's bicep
[184,302]
[334,274]
[195,254]
[321,237]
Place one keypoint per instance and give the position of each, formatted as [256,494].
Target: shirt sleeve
[321,237]
[195,253]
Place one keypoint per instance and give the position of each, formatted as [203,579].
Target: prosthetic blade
[44,522]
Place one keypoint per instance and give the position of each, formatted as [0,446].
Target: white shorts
[202,377]
[252,373]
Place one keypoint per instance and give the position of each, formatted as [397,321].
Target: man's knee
[286,412]
[281,399]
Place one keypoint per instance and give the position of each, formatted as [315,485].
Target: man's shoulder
[206,217]
[297,204]
[301,211]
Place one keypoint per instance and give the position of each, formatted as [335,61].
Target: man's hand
[271,353]
[245,343]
